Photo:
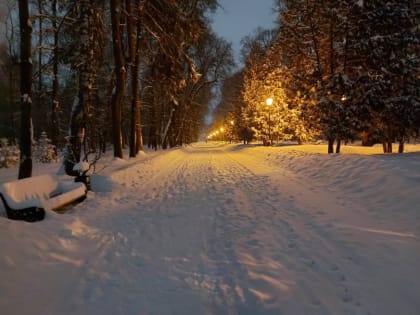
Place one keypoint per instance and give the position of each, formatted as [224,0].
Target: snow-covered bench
[28,198]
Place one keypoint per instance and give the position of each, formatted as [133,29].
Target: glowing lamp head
[269,101]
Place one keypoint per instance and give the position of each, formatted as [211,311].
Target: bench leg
[31,214]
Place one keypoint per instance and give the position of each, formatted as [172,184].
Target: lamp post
[269,102]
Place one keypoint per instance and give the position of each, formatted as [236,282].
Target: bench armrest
[65,198]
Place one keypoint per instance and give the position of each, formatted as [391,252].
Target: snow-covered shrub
[9,154]
[44,151]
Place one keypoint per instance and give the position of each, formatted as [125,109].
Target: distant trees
[228,112]
[188,60]
[9,93]
[340,70]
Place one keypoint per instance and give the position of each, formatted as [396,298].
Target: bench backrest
[37,187]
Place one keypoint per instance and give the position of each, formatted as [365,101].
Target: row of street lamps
[216,133]
[268,102]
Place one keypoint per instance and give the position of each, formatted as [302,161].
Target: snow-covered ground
[219,229]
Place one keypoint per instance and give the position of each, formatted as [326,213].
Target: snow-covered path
[217,229]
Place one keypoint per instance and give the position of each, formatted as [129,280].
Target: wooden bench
[28,198]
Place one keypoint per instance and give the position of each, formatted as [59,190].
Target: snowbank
[225,229]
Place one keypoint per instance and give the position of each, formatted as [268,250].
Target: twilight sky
[2,18]
[236,19]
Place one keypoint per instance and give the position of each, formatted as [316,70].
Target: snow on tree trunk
[74,145]
[165,131]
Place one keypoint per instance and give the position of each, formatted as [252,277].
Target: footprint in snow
[230,201]
[346,296]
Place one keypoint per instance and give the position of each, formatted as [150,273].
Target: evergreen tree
[255,113]
[385,61]
[45,151]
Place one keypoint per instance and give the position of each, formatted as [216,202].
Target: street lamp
[269,102]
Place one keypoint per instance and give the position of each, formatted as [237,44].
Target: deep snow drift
[225,229]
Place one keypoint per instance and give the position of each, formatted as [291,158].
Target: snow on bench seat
[44,191]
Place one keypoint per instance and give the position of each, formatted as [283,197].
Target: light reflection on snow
[65,259]
[378,231]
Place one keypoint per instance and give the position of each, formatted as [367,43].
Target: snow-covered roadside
[387,186]
[225,229]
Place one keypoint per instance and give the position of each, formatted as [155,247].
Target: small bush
[9,154]
[44,151]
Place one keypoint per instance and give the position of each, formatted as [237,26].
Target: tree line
[336,70]
[123,72]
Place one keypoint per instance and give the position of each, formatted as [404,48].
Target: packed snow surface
[219,229]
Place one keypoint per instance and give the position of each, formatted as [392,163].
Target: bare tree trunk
[26,68]
[77,120]
[40,48]
[120,73]
[12,105]
[133,34]
[74,146]
[330,145]
[92,52]
[338,147]
[401,146]
[135,100]
[55,128]
[165,131]
[387,146]
[139,135]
